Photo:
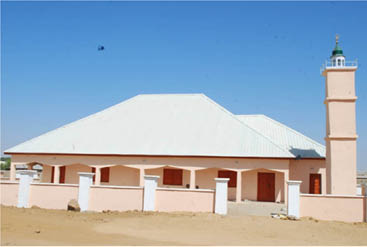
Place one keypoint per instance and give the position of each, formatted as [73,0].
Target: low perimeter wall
[117,198]
[9,193]
[333,207]
[169,200]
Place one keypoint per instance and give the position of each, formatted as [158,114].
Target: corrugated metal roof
[291,140]
[171,124]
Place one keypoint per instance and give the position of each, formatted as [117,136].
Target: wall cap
[332,196]
[27,172]
[222,180]
[151,177]
[186,190]
[86,174]
[116,187]
[293,182]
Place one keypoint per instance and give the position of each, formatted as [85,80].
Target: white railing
[329,64]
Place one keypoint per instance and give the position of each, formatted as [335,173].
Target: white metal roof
[161,124]
[289,139]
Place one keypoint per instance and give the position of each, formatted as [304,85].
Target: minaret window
[339,62]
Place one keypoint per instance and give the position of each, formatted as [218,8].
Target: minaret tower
[341,137]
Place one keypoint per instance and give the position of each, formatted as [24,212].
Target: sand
[57,227]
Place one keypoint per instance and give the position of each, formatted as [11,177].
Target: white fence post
[150,185]
[221,197]
[294,198]
[25,180]
[85,181]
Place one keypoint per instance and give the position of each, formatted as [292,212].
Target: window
[105,174]
[229,174]
[61,176]
[339,62]
[172,176]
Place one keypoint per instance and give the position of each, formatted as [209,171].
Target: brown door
[266,187]
[315,183]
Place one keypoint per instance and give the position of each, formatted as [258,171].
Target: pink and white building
[188,140]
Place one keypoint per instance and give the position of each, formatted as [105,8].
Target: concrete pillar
[141,179]
[221,191]
[294,198]
[26,177]
[97,180]
[192,179]
[57,175]
[12,171]
[85,181]
[239,187]
[150,185]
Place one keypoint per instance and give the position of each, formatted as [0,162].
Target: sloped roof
[289,139]
[171,124]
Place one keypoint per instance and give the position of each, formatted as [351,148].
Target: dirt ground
[57,227]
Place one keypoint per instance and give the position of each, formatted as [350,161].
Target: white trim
[331,196]
[187,190]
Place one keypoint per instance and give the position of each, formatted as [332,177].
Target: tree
[6,164]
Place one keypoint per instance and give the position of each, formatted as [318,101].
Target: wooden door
[266,187]
[315,183]
[62,174]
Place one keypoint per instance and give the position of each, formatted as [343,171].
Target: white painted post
[85,181]
[294,198]
[25,180]
[150,185]
[221,196]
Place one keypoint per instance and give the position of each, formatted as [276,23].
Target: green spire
[337,50]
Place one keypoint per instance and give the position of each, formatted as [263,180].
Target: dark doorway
[266,187]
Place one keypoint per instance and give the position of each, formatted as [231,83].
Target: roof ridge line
[74,122]
[234,116]
[294,131]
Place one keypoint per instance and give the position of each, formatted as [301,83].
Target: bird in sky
[100,48]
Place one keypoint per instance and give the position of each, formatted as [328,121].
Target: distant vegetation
[5,163]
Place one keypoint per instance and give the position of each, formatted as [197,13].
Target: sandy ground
[255,208]
[57,227]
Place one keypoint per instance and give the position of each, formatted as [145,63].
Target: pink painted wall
[123,176]
[9,193]
[300,170]
[115,198]
[52,196]
[46,174]
[333,207]
[170,200]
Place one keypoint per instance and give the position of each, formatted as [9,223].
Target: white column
[12,171]
[141,178]
[192,179]
[97,180]
[294,198]
[239,186]
[56,174]
[26,177]
[221,196]
[150,185]
[85,181]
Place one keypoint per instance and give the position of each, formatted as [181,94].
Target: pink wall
[115,198]
[300,170]
[52,196]
[333,207]
[170,200]
[9,193]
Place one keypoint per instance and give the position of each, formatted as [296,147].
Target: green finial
[337,50]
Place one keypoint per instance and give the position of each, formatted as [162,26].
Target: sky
[250,57]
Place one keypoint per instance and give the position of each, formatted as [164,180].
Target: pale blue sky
[250,57]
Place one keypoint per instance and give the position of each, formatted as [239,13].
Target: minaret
[341,137]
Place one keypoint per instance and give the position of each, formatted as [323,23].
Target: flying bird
[100,48]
